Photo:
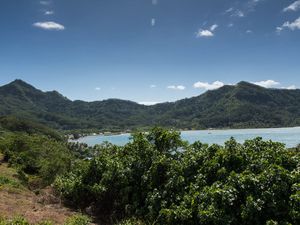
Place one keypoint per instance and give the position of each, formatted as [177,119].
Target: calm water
[289,136]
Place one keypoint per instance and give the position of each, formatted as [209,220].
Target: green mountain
[241,105]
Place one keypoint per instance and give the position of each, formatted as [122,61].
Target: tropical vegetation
[157,178]
[164,180]
[240,106]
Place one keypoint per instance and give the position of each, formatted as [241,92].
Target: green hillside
[242,105]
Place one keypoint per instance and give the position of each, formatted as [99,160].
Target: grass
[73,220]
[9,178]
[20,206]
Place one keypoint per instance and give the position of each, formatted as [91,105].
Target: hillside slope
[17,200]
[241,105]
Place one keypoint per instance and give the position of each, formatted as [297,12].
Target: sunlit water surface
[288,136]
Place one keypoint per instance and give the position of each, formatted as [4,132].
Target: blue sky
[149,50]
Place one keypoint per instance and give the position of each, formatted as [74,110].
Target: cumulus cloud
[153,86]
[208,86]
[49,13]
[218,84]
[204,33]
[293,7]
[292,87]
[249,31]
[97,88]
[49,25]
[207,32]
[176,87]
[148,103]
[267,83]
[295,25]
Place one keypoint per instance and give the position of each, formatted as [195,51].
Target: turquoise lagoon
[288,136]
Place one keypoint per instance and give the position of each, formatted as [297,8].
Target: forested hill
[241,105]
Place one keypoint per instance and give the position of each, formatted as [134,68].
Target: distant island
[243,105]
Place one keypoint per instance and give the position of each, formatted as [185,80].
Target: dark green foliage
[14,124]
[36,155]
[164,180]
[239,106]
[7,181]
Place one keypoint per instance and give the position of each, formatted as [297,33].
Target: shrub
[164,180]
[78,220]
[36,155]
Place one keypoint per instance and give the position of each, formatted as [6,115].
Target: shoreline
[285,135]
[109,134]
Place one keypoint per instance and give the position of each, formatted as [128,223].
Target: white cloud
[49,13]
[207,32]
[242,8]
[289,25]
[293,7]
[153,86]
[154,2]
[176,87]
[218,84]
[45,2]
[292,87]
[234,12]
[293,25]
[230,25]
[148,103]
[204,33]
[267,83]
[49,25]
[153,22]
[249,31]
[279,29]
[97,88]
[213,27]
[229,10]
[238,13]
[207,86]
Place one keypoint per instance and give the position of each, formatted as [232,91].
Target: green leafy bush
[15,221]
[36,155]
[167,181]
[7,181]
[78,220]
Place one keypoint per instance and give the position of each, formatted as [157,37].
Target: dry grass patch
[17,200]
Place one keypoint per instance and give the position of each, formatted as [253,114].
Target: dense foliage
[242,105]
[39,153]
[36,155]
[14,124]
[164,180]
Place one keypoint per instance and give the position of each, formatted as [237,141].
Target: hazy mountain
[241,105]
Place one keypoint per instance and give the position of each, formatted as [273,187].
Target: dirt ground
[17,200]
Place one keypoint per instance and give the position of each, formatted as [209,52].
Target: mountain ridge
[231,106]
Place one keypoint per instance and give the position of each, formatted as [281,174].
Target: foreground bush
[166,181]
[36,155]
